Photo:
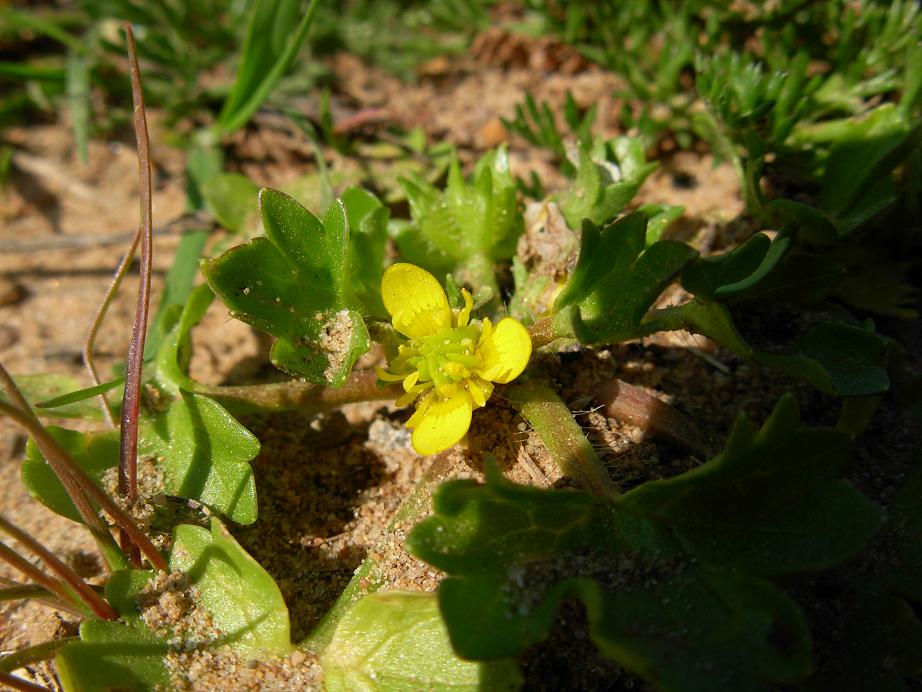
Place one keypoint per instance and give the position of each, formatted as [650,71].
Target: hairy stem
[292,395]
[90,598]
[131,401]
[636,406]
[551,328]
[571,451]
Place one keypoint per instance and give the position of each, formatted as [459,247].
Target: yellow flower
[448,364]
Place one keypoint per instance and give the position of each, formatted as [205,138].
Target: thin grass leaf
[241,108]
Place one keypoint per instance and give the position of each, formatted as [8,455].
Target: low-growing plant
[701,579]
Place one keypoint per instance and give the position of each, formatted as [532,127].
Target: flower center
[446,359]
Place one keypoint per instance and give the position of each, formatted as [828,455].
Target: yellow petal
[443,423]
[505,350]
[415,301]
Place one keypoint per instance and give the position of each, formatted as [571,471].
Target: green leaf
[797,276]
[202,450]
[661,217]
[813,226]
[367,241]
[881,140]
[616,281]
[109,654]
[233,199]
[771,503]
[875,283]
[124,588]
[397,641]
[514,552]
[603,250]
[245,603]
[175,350]
[467,220]
[78,396]
[292,283]
[879,645]
[614,284]
[714,321]
[722,277]
[95,453]
[204,454]
[837,358]
[606,181]
[905,578]
[79,68]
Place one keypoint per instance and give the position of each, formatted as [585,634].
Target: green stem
[38,594]
[33,654]
[304,396]
[571,451]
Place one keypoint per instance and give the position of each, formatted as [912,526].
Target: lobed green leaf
[770,504]
[513,553]
[296,284]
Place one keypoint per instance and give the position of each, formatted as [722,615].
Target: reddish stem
[89,597]
[66,468]
[17,561]
[89,358]
[72,485]
[131,402]
[19,684]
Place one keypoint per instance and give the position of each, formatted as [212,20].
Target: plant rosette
[447,363]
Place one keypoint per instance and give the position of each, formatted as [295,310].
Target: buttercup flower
[448,364]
